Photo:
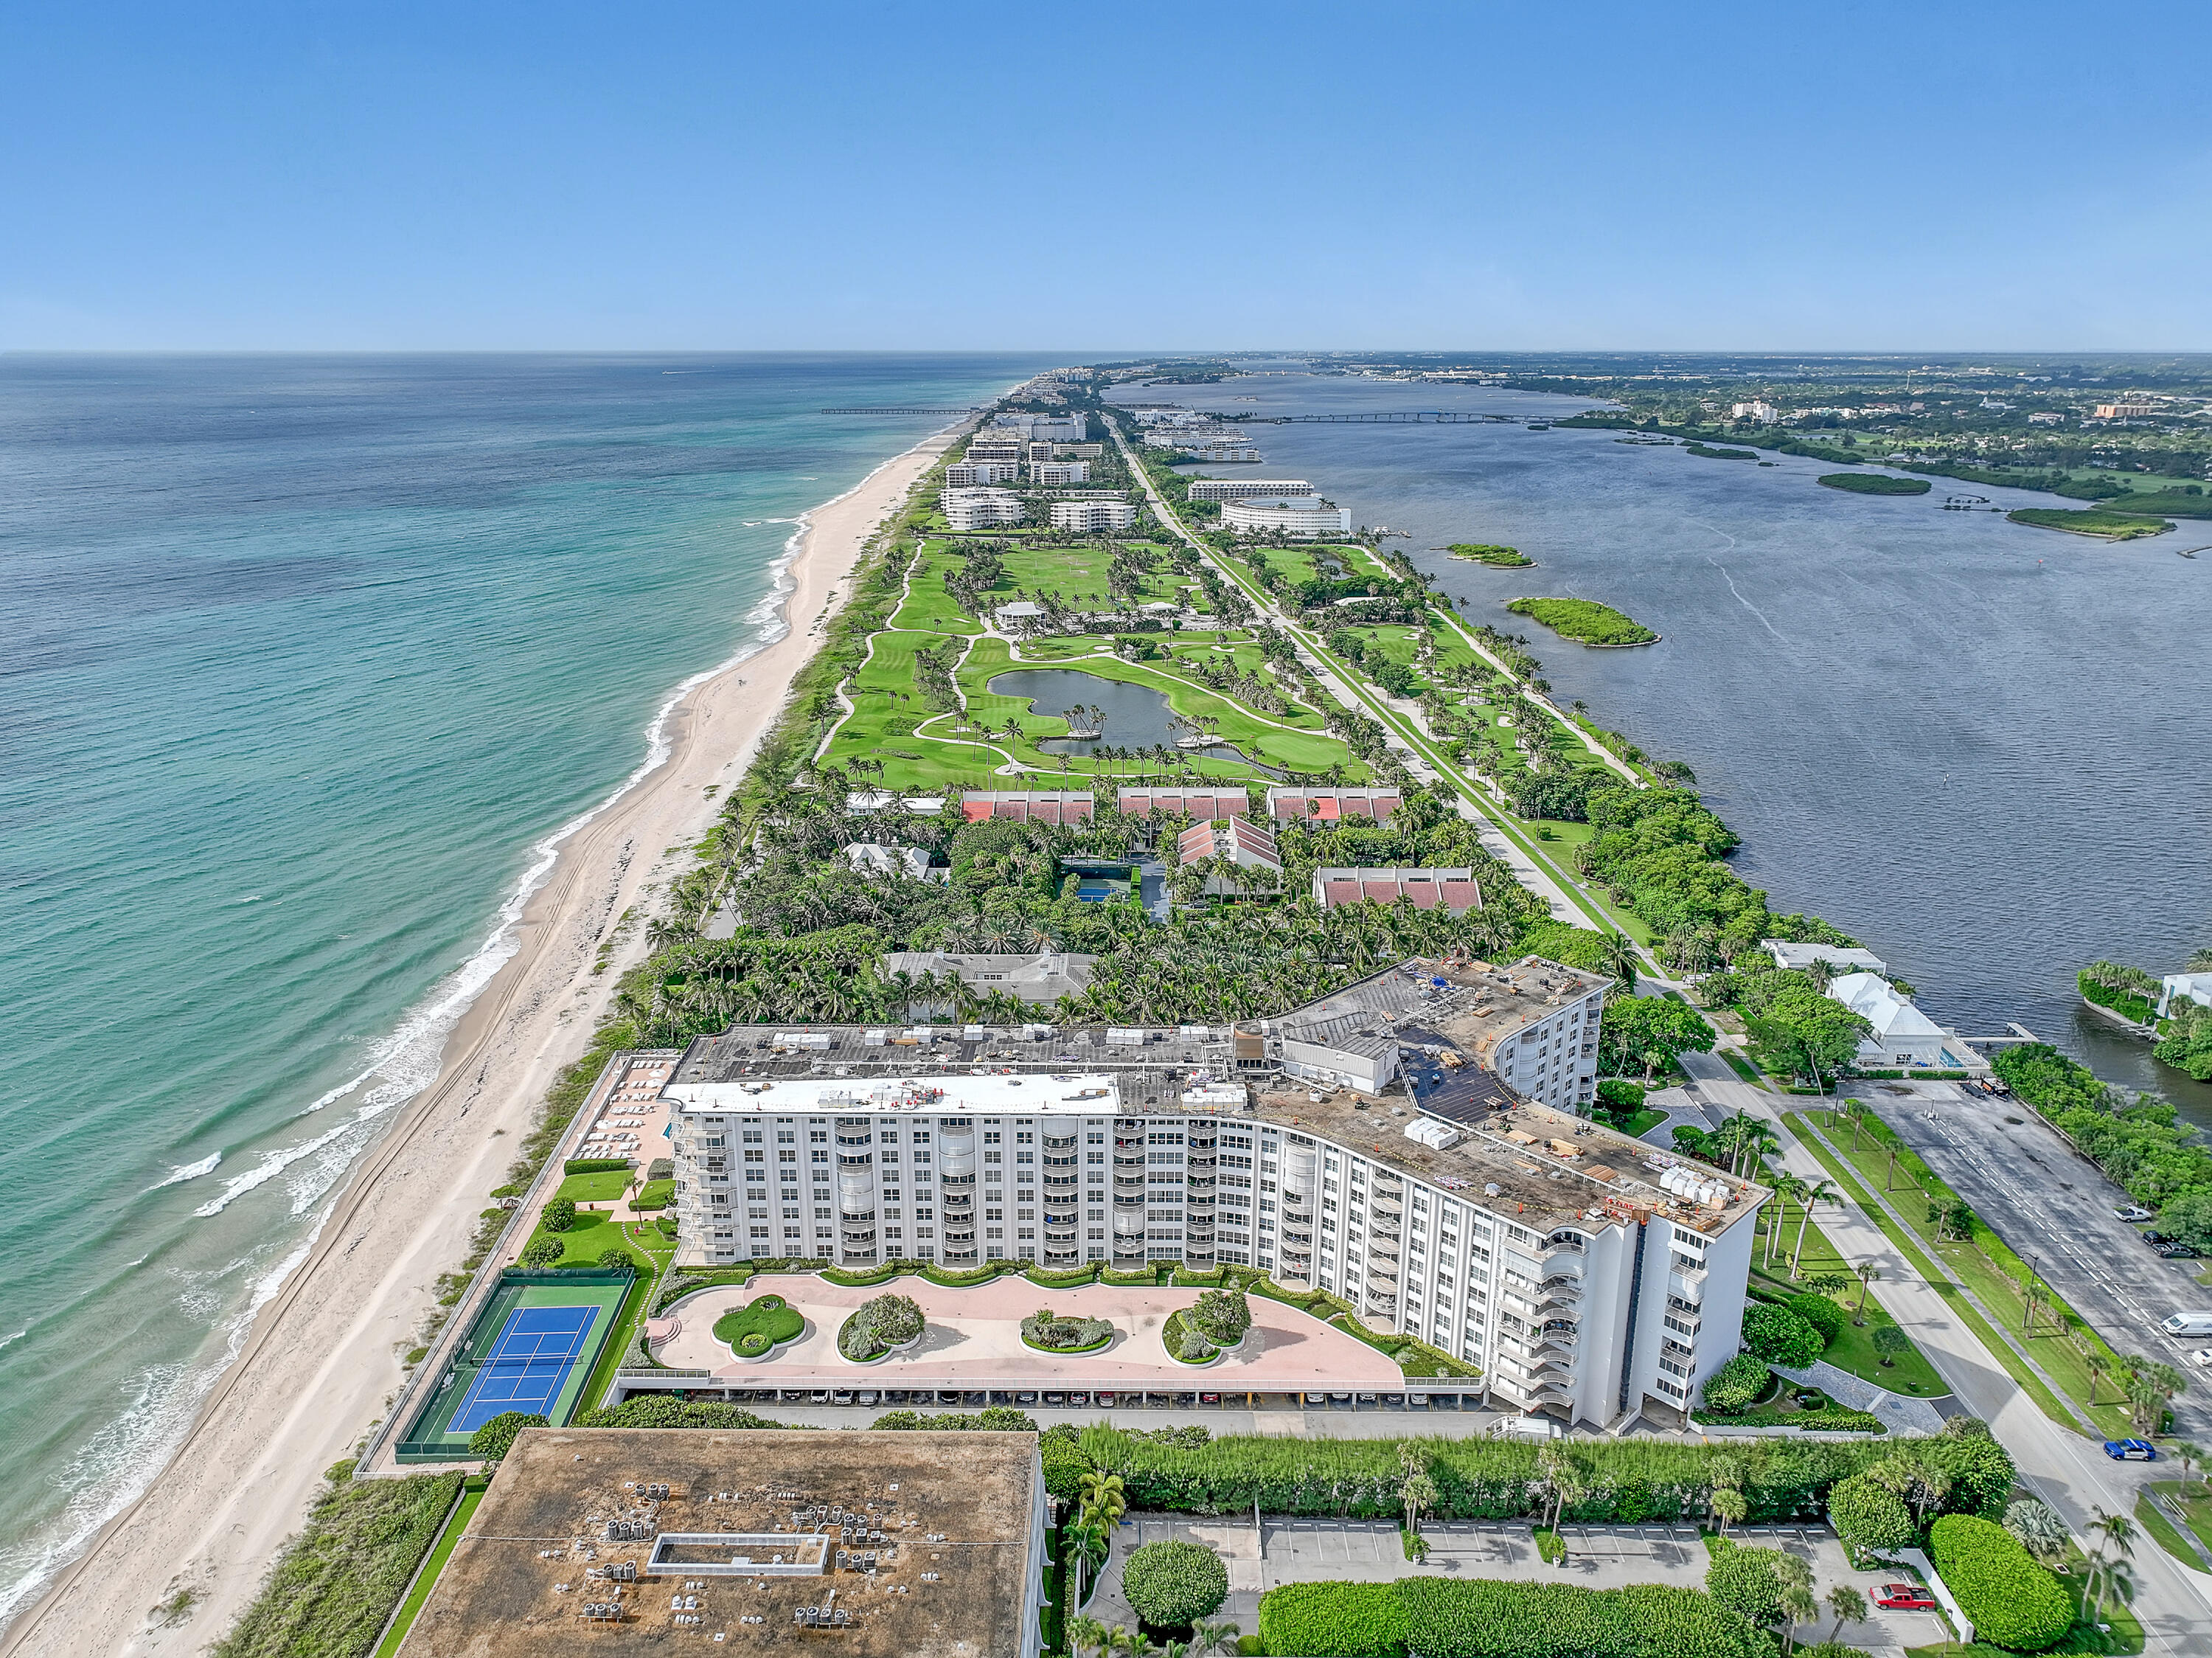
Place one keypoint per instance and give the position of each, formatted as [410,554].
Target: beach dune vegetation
[1585,621]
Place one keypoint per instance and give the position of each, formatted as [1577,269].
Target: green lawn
[1853,1350]
[606,1187]
[472,1491]
[2194,1498]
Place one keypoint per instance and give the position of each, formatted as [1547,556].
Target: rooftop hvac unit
[812,1041]
[1118,1037]
[1193,1032]
[1037,1032]
[972,1032]
[874,1038]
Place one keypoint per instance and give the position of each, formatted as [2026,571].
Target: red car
[1903,1597]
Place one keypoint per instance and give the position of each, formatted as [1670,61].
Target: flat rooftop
[946,1515]
[1463,1005]
[1547,1165]
[1150,1075]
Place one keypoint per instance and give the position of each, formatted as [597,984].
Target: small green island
[1712,453]
[761,1324]
[1585,621]
[2100,521]
[1485,553]
[1874,484]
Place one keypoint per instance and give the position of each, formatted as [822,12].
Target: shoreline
[319,1364]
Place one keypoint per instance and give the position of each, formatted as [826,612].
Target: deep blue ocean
[301,661]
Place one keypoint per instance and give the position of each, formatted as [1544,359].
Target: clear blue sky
[490,175]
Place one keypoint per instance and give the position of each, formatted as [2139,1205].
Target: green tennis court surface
[530,1349]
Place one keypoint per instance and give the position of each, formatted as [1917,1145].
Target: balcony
[1689,1312]
[1687,1286]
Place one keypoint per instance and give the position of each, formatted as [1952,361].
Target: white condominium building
[972,474]
[1045,428]
[1051,473]
[992,446]
[1306,515]
[1247,488]
[1092,515]
[1588,1274]
[979,509]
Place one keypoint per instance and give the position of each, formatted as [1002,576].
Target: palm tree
[1085,1634]
[1820,1191]
[1727,1507]
[1206,1638]
[1848,1605]
[1786,1185]
[1868,1272]
[1798,1607]
[2118,1531]
[1617,956]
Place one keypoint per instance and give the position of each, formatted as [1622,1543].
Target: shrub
[1333,1620]
[1736,1384]
[1779,1336]
[997,1419]
[666,1411]
[875,1326]
[2012,1601]
[586,1166]
[1048,1329]
[1064,1467]
[1171,1585]
[1745,1581]
[1889,1341]
[543,1252]
[1868,1516]
[1222,1316]
[1823,1314]
[1621,1094]
[1192,1348]
[492,1441]
[560,1214]
[1440,1617]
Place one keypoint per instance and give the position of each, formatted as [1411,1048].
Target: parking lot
[2054,1208]
[1288,1550]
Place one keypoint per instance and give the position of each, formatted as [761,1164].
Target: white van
[2189,1324]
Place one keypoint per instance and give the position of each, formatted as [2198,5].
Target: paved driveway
[1283,1550]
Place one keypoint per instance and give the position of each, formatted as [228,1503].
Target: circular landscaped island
[756,1329]
[1196,1334]
[1054,1333]
[880,1327]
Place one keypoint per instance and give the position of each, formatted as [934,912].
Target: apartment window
[991,1136]
[820,1136]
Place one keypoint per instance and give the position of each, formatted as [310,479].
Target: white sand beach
[324,1358]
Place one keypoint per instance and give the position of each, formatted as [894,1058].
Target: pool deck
[974,1339]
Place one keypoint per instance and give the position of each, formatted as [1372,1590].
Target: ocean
[307,660]
[1978,746]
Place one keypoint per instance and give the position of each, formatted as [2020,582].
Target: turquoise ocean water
[302,662]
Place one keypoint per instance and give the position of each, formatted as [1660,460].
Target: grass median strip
[1988,1267]
[1999,1347]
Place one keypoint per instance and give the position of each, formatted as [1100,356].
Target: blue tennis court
[537,1349]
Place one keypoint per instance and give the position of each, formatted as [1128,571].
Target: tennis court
[536,1351]
[529,1348]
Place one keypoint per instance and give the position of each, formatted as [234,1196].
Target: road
[2065,1469]
[2056,1208]
[1406,730]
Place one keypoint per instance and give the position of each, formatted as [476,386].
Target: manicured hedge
[1333,1620]
[2012,1601]
[1173,1583]
[1624,1482]
[1439,1618]
[1737,1384]
[594,1165]
[1823,1314]
[1779,1335]
[1869,1516]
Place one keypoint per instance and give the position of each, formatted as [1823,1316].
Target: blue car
[2130,1450]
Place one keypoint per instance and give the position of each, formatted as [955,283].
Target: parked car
[2133,1212]
[2177,1253]
[2154,1239]
[2202,1356]
[1903,1597]
[1209,1398]
[865,1396]
[2130,1450]
[840,1396]
[2187,1324]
